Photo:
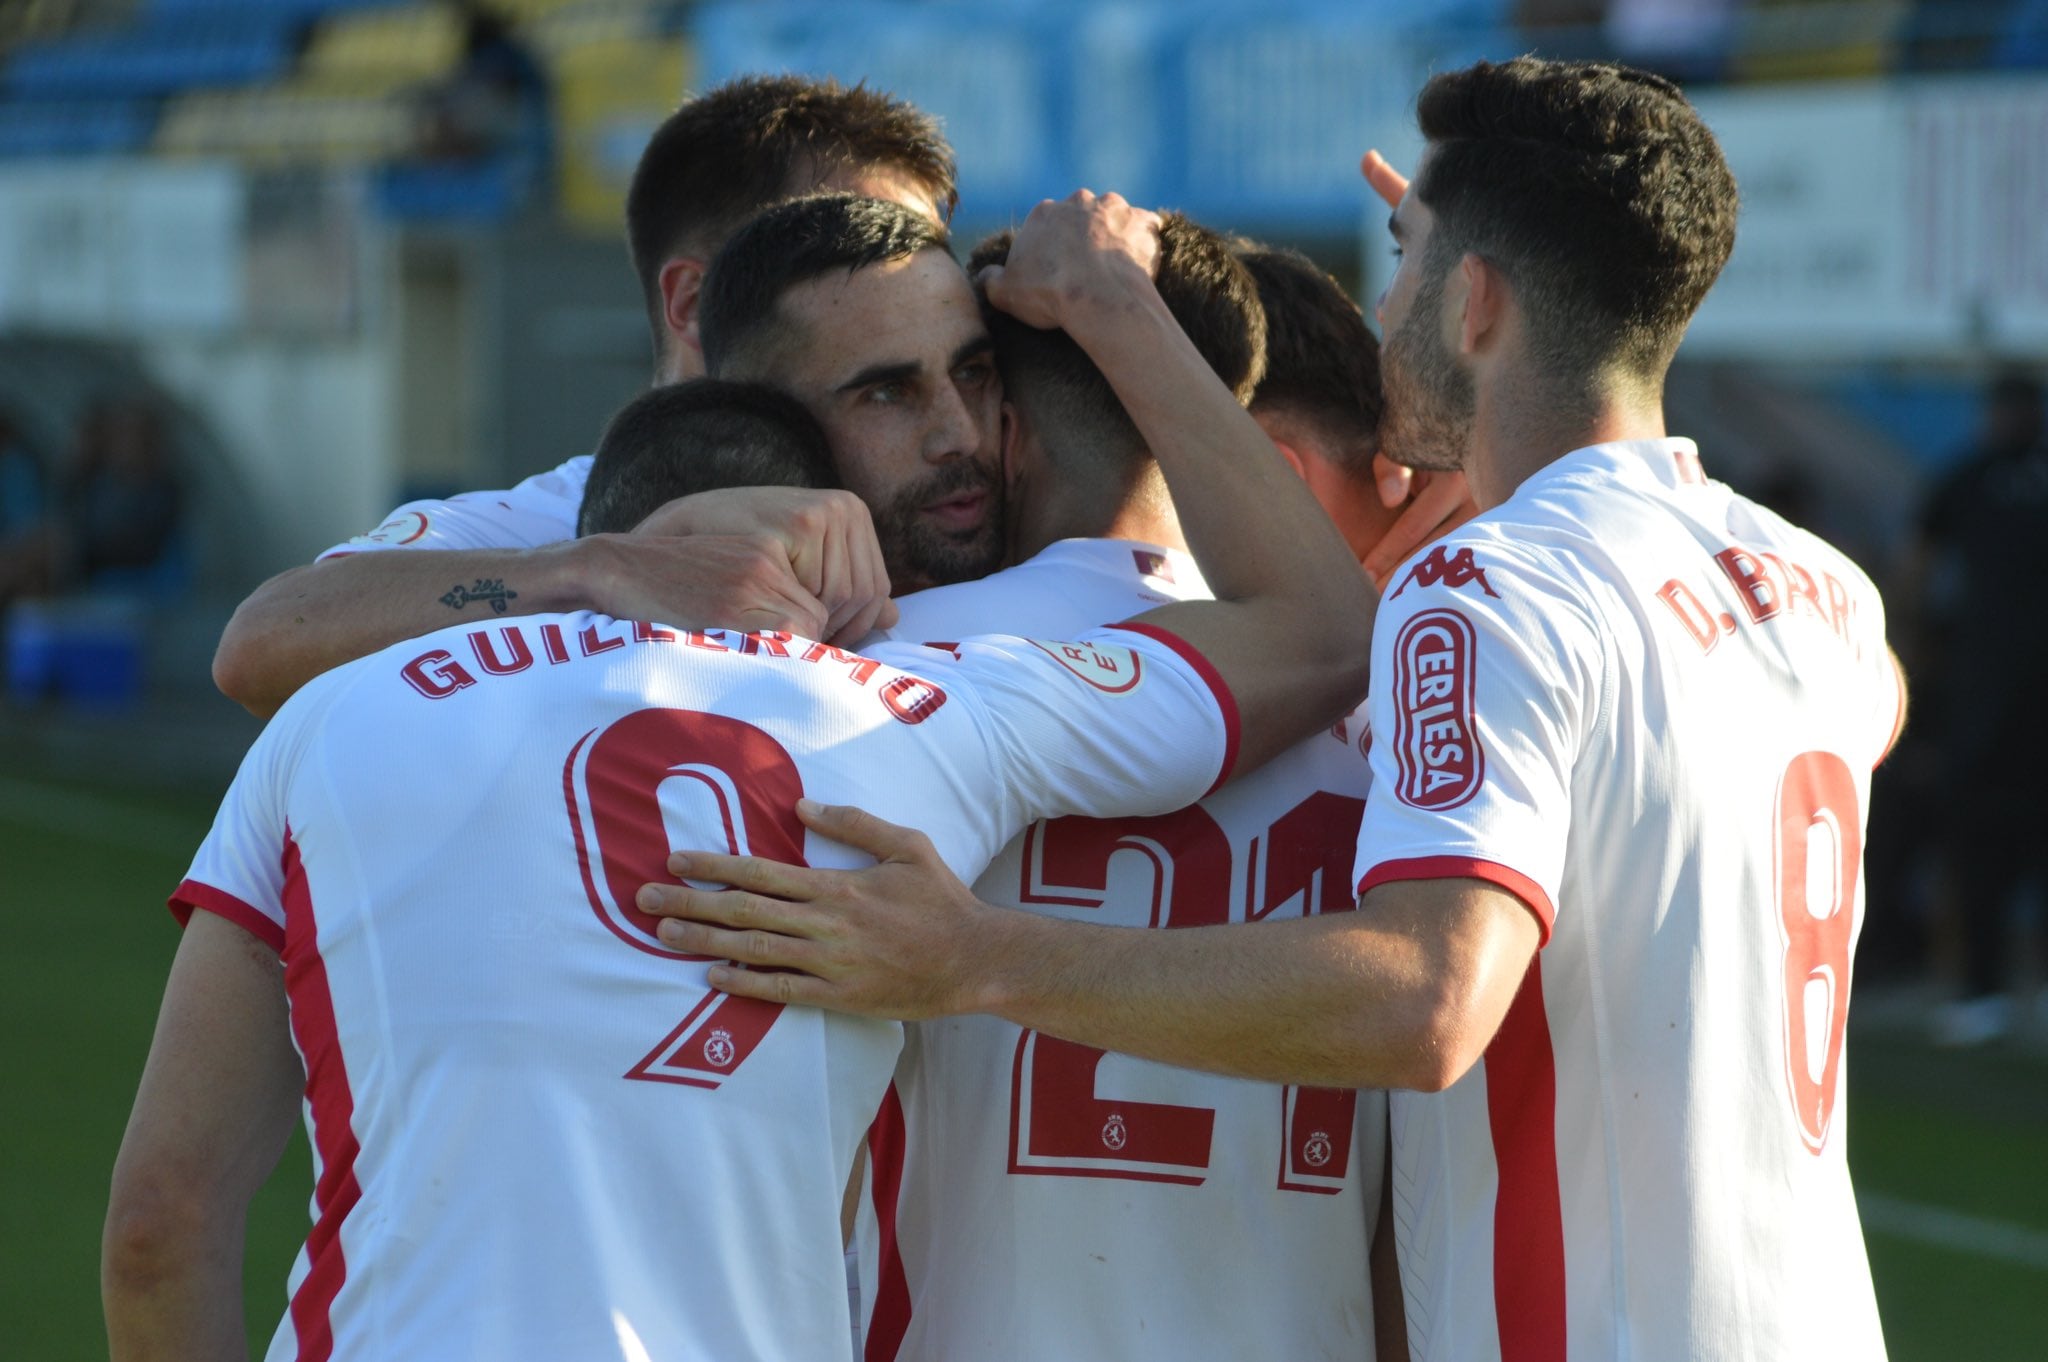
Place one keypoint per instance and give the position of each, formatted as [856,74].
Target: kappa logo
[1452,569]
[1439,762]
[1104,666]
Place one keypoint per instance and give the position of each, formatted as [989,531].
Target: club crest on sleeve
[1439,761]
[400,529]
[1104,666]
[1451,569]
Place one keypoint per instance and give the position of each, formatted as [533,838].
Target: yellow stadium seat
[379,51]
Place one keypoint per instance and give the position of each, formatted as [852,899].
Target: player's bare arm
[801,561]
[1290,628]
[1404,993]
[217,1102]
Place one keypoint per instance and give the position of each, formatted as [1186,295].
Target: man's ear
[682,283]
[1485,303]
[1293,456]
[1010,440]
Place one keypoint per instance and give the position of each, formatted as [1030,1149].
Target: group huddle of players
[1503,1013]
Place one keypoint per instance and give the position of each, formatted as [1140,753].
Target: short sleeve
[1119,721]
[541,510]
[1485,685]
[238,872]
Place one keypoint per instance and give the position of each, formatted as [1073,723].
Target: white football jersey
[537,1134]
[1649,708]
[540,510]
[1030,1198]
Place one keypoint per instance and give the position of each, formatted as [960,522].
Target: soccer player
[1106,1196]
[713,164]
[559,1143]
[857,308]
[1623,727]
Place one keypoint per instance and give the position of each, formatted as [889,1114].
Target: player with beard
[1093,1186]
[1624,722]
[856,308]
[805,561]
[467,1101]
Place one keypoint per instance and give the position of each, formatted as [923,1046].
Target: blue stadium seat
[75,128]
[161,53]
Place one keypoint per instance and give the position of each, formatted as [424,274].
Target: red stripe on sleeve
[333,1108]
[1225,701]
[193,895]
[1515,882]
[1528,1214]
[889,1321]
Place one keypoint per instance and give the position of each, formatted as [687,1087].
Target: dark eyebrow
[894,371]
[983,344]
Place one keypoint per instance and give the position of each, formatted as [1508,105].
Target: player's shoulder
[1068,586]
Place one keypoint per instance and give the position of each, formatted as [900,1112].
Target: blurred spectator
[494,102]
[1985,650]
[114,505]
[21,483]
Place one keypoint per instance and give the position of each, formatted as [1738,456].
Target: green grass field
[1950,1150]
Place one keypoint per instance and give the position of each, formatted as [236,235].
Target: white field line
[1940,1228]
[52,809]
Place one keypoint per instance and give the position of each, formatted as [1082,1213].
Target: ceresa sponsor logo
[1436,745]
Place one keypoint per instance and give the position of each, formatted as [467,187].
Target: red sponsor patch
[1452,569]
[1436,745]
[1102,665]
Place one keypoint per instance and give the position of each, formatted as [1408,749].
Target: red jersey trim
[1469,868]
[1205,669]
[333,1110]
[192,895]
[889,1321]
[1528,1214]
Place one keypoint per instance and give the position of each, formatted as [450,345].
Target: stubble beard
[1428,398]
[918,553]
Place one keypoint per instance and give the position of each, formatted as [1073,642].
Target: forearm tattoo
[491,589]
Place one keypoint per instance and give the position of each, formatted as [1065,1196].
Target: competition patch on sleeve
[1436,745]
[1152,564]
[401,529]
[1104,666]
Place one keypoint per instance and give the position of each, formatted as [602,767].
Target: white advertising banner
[1904,219]
[125,247]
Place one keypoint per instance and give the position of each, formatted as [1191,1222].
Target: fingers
[759,949]
[1387,182]
[1442,503]
[862,831]
[754,874]
[1394,480]
[796,990]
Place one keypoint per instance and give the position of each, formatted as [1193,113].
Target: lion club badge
[1114,1133]
[1315,1151]
[718,1050]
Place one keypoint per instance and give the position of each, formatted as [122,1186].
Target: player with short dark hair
[1008,1139]
[701,436]
[727,154]
[1092,457]
[856,307]
[720,158]
[475,1098]
[793,244]
[1623,724]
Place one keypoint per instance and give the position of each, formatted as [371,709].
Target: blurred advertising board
[1901,219]
[1243,116]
